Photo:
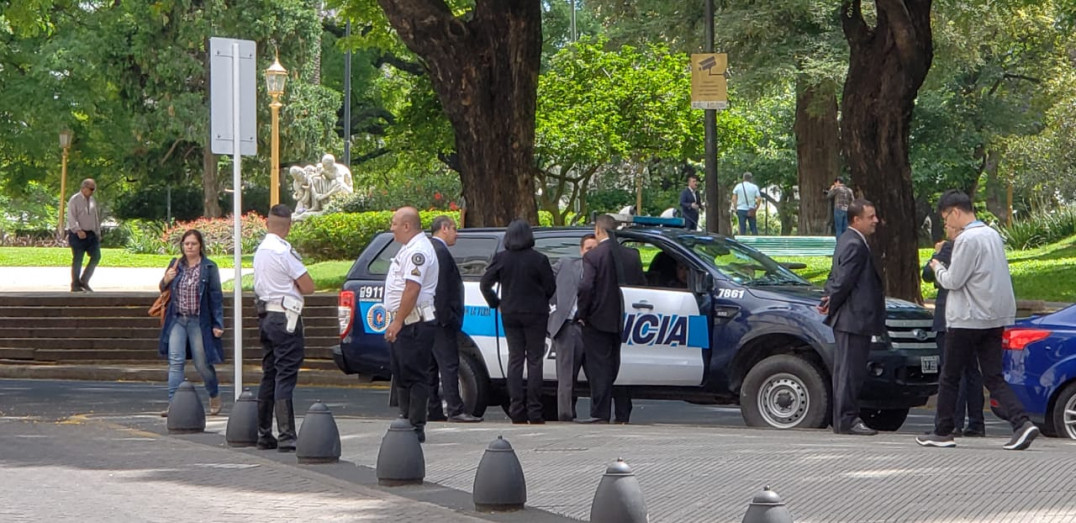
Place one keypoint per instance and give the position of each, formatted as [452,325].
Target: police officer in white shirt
[409,291]
[280,281]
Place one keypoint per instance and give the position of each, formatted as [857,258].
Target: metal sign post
[233,124]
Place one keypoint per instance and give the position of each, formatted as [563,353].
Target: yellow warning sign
[709,87]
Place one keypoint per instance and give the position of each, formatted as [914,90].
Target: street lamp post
[275,77]
[65,143]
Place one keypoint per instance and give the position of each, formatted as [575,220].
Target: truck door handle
[642,305]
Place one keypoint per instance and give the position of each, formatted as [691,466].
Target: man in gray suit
[854,305]
[563,329]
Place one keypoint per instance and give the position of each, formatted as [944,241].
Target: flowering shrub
[342,236]
[217,233]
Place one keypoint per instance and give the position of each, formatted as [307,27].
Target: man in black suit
[689,203]
[854,305]
[448,307]
[601,312]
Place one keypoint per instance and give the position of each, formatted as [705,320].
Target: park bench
[789,246]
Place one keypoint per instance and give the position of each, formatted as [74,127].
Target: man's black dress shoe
[860,429]
[432,417]
[591,420]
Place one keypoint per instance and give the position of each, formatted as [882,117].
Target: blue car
[1039,362]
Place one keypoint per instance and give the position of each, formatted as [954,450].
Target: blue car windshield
[739,263]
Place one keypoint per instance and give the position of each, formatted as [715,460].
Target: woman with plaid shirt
[194,321]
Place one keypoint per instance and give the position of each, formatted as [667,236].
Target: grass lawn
[61,257]
[1045,273]
[328,276]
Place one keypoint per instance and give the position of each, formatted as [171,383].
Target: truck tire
[785,392]
[1064,421]
[474,385]
[887,420]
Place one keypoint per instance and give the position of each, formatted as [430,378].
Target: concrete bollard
[400,460]
[619,498]
[242,428]
[499,484]
[319,439]
[185,413]
[767,507]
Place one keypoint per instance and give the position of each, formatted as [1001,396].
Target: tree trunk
[997,188]
[210,185]
[817,155]
[485,72]
[887,65]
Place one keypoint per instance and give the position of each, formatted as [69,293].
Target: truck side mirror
[700,282]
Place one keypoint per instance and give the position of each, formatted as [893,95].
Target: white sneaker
[934,440]
[1022,437]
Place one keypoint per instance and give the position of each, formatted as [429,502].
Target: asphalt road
[54,400]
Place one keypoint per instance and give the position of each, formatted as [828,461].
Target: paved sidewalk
[105,279]
[707,474]
[85,471]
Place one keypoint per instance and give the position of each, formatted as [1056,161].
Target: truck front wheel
[785,392]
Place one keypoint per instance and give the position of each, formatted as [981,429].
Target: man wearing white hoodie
[980,305]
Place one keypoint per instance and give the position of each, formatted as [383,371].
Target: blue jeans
[744,220]
[185,329]
[840,221]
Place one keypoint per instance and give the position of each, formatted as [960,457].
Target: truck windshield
[739,263]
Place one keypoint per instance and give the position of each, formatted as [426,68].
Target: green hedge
[342,236]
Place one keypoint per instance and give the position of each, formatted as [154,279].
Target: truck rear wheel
[785,392]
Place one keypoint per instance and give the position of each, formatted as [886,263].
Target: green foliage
[131,80]
[1042,228]
[218,234]
[37,209]
[431,192]
[342,236]
[151,203]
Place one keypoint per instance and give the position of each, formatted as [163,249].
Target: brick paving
[688,473]
[88,472]
[711,474]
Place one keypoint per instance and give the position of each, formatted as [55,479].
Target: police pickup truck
[736,327]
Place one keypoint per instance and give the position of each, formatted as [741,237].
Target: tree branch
[895,12]
[406,66]
[855,27]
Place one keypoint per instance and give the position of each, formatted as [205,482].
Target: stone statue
[314,186]
[328,163]
[300,188]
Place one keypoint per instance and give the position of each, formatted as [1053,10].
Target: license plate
[929,364]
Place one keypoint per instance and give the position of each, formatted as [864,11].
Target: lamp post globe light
[65,143]
[275,78]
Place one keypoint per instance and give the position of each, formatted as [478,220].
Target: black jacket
[448,300]
[945,255]
[854,287]
[526,279]
[601,304]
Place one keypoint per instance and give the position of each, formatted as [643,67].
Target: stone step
[249,332]
[141,322]
[128,311]
[72,346]
[108,299]
[250,353]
